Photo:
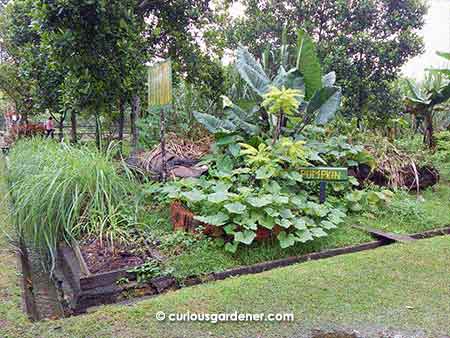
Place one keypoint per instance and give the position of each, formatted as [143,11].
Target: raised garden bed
[82,289]
[100,258]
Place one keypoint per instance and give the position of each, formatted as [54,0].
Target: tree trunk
[429,137]
[362,109]
[121,123]
[98,132]
[135,113]
[73,118]
[61,129]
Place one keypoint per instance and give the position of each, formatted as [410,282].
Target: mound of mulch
[426,177]
[395,168]
[182,158]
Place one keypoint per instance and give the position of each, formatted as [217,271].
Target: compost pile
[182,158]
[396,169]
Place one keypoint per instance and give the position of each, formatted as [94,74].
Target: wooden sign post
[160,97]
[324,175]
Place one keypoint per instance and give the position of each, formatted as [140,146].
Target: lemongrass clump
[60,192]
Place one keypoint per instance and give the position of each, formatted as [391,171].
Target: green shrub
[442,155]
[443,142]
[259,188]
[60,192]
[407,210]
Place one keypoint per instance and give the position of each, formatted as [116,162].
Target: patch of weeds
[442,155]
[155,219]
[122,281]
[147,271]
[408,214]
[406,208]
[177,242]
[200,261]
[412,145]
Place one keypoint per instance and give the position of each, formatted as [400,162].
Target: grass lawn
[407,214]
[405,288]
[402,288]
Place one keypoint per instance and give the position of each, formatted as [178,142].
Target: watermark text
[215,318]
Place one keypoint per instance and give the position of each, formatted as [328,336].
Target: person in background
[49,128]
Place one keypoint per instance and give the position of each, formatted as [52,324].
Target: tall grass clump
[60,192]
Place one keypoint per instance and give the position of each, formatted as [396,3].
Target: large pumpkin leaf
[318,232]
[267,222]
[304,236]
[235,208]
[245,237]
[260,201]
[252,71]
[218,197]
[308,64]
[217,220]
[286,240]
[231,247]
[193,196]
[300,224]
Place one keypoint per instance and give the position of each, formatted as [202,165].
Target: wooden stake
[163,144]
[323,192]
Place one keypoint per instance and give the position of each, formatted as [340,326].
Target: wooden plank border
[99,289]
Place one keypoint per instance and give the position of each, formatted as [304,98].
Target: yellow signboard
[160,84]
[324,174]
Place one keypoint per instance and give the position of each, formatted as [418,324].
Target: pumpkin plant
[260,189]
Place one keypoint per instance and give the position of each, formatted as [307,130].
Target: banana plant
[422,100]
[321,97]
[318,97]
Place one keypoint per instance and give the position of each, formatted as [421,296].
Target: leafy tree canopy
[174,29]
[88,54]
[366,41]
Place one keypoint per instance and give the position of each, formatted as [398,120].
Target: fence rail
[89,131]
[84,131]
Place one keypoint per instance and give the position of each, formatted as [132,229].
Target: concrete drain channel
[71,292]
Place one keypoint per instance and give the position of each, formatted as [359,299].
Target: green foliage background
[366,42]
